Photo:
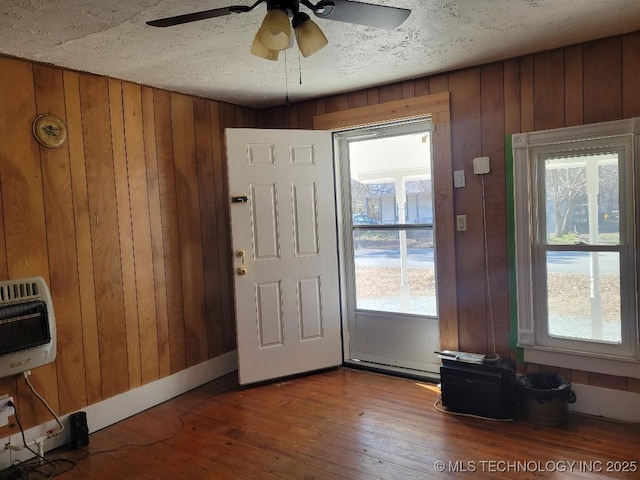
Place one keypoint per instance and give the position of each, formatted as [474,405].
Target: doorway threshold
[392,370]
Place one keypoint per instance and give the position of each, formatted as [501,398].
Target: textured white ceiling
[211,58]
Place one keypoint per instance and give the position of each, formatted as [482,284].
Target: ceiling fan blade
[360,13]
[195,16]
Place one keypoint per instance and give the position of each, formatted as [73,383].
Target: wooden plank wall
[128,224]
[591,82]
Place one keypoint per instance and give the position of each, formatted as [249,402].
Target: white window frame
[538,346]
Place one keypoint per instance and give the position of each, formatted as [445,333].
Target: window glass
[581,202]
[583,295]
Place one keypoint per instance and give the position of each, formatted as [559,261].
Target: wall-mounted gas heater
[27,325]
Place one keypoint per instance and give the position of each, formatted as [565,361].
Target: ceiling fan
[274,34]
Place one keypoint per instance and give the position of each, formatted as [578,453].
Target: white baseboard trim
[604,402]
[124,405]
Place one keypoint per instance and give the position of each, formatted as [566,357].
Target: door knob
[241,270]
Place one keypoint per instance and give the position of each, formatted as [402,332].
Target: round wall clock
[49,130]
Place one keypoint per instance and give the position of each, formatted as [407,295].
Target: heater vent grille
[22,326]
[18,291]
[27,325]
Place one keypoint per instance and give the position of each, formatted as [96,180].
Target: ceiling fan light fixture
[275,31]
[259,50]
[308,35]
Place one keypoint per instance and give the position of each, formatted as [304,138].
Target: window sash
[530,151]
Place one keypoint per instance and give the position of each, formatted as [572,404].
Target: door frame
[394,340]
[437,106]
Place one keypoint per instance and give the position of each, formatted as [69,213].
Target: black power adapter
[79,430]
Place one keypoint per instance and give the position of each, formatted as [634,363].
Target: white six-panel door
[285,254]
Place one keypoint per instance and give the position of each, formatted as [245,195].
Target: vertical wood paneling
[439,83]
[155,225]
[103,211]
[511,97]
[251,118]
[224,251]
[170,234]
[493,127]
[123,201]
[358,99]
[526,94]
[7,384]
[306,111]
[98,218]
[603,80]
[421,87]
[188,203]
[548,80]
[630,75]
[279,117]
[408,89]
[373,97]
[292,115]
[225,119]
[141,232]
[23,204]
[466,125]
[337,103]
[210,227]
[389,93]
[84,250]
[63,267]
[573,93]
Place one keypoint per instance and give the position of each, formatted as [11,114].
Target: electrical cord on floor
[36,465]
[439,402]
[143,445]
[51,433]
[25,470]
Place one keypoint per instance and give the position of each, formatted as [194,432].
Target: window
[576,238]
[389,185]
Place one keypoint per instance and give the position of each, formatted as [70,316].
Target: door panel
[284,237]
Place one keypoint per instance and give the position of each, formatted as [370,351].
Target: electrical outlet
[6,410]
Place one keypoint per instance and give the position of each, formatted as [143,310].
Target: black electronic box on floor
[479,389]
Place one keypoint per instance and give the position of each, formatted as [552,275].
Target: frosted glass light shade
[275,31]
[310,38]
[259,50]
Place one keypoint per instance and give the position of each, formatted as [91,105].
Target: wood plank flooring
[343,424]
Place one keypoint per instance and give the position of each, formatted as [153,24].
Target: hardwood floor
[343,424]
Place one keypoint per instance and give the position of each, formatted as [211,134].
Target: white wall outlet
[481,165]
[6,410]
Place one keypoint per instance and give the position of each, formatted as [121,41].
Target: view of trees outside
[568,201]
[582,208]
